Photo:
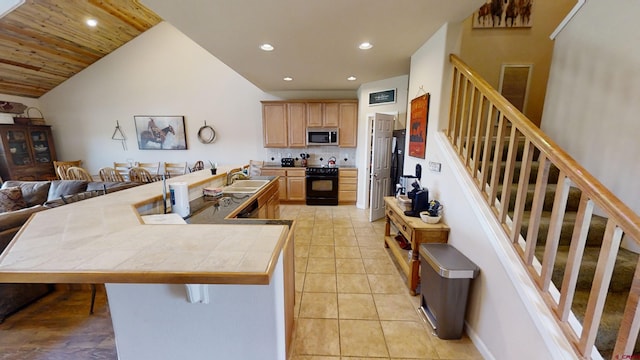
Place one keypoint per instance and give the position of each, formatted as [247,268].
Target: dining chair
[197,166]
[108,173]
[61,167]
[123,169]
[141,175]
[152,167]
[78,173]
[175,169]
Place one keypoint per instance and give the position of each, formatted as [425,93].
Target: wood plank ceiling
[45,42]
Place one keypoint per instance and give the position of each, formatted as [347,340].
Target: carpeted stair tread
[573,200]
[622,273]
[594,236]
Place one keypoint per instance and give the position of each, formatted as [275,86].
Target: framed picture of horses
[503,14]
[418,133]
[160,132]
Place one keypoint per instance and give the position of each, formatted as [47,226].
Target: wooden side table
[416,232]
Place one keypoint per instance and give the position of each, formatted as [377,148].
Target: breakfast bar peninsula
[220,290]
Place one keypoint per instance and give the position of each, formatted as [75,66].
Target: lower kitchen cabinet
[292,183]
[347,186]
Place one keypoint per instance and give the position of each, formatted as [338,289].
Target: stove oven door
[322,190]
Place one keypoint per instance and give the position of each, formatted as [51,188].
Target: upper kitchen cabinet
[274,124]
[297,115]
[348,128]
[284,124]
[323,115]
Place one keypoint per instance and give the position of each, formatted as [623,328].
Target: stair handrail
[472,110]
[626,218]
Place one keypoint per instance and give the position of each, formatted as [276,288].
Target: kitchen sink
[245,186]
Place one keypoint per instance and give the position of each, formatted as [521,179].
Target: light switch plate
[435,166]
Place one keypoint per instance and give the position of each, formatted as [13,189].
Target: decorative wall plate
[206,134]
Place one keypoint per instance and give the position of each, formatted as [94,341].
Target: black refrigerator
[397,158]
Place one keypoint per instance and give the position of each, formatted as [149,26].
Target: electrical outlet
[435,166]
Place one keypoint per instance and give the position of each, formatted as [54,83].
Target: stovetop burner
[321,171]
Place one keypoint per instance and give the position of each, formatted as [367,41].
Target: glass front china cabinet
[27,152]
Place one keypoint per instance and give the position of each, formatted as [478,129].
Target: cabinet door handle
[404,227]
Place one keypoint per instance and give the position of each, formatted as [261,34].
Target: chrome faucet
[239,175]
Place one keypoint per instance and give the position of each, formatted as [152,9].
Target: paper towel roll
[179,194]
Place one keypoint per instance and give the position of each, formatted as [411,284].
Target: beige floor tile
[299,280]
[321,265]
[406,339]
[345,240]
[313,357]
[395,307]
[296,305]
[344,231]
[387,284]
[353,283]
[347,252]
[456,349]
[301,250]
[349,266]
[325,229]
[322,240]
[301,264]
[342,222]
[317,337]
[319,305]
[373,252]
[370,241]
[322,251]
[357,307]
[362,338]
[379,266]
[305,222]
[320,283]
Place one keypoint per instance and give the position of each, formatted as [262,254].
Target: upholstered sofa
[21,199]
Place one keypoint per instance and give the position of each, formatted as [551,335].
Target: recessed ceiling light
[92,22]
[267,47]
[351,78]
[287,78]
[365,46]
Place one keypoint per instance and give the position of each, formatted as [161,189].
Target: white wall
[161,72]
[503,318]
[591,107]
[400,83]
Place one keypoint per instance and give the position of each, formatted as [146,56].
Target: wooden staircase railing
[482,123]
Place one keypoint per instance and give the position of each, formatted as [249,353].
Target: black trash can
[445,277]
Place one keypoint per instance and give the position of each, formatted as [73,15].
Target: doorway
[382,126]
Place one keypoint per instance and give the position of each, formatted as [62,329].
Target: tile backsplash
[318,155]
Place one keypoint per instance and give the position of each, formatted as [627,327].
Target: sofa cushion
[33,192]
[17,218]
[11,199]
[66,187]
[111,186]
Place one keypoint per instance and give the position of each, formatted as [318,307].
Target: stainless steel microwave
[322,136]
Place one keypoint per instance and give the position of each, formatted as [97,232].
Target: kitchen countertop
[104,240]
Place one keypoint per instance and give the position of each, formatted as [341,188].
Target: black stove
[322,185]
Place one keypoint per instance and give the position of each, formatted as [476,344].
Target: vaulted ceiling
[45,42]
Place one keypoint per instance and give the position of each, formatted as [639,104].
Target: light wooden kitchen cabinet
[296,185]
[297,119]
[348,129]
[274,125]
[269,203]
[282,190]
[284,124]
[347,186]
[324,115]
[292,183]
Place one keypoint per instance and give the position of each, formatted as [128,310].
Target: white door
[380,163]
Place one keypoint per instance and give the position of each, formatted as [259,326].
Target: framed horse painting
[160,132]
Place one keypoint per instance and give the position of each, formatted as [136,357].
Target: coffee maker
[419,200]
[406,181]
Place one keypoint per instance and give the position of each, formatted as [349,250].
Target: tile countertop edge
[52,249]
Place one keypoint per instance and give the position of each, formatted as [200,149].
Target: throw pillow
[11,199]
